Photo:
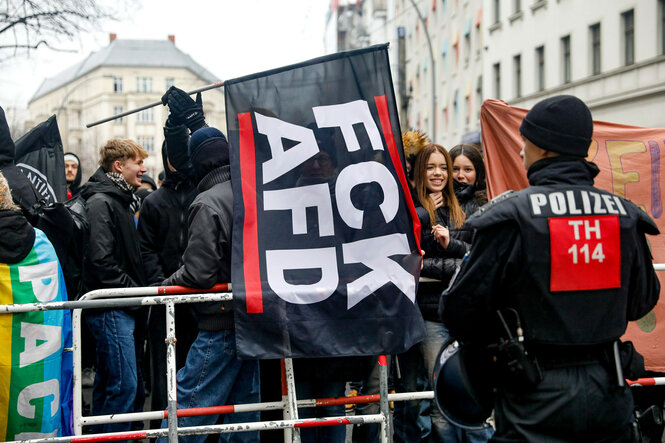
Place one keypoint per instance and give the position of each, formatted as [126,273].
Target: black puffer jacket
[113,258]
[207,259]
[441,264]
[162,225]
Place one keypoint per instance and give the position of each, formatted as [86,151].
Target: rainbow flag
[35,371]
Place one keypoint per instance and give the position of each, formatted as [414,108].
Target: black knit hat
[559,124]
[208,150]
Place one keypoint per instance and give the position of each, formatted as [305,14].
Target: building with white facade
[611,54]
[123,76]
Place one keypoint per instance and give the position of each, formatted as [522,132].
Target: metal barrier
[169,296]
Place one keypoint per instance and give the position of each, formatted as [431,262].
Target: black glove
[184,110]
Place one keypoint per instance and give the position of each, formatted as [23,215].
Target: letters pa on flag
[325,236]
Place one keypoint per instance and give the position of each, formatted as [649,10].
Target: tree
[26,25]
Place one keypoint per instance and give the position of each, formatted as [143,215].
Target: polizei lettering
[575,202]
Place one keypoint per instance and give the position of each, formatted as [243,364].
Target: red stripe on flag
[253,292]
[389,136]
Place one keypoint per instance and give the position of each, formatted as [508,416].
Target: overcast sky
[230,38]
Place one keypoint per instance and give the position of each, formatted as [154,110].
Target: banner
[630,162]
[35,372]
[39,155]
[325,236]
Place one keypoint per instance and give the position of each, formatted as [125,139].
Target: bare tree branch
[26,25]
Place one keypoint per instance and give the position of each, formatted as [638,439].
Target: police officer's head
[560,125]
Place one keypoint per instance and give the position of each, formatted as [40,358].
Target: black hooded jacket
[162,226]
[113,257]
[17,238]
[441,264]
[23,192]
[75,186]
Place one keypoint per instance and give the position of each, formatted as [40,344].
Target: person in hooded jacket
[73,174]
[213,375]
[113,260]
[568,266]
[23,192]
[162,232]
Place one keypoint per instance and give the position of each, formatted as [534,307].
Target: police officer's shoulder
[501,208]
[645,223]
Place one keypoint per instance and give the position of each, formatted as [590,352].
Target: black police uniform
[574,263]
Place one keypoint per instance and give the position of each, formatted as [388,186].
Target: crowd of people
[180,234]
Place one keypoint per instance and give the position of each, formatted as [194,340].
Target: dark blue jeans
[213,376]
[116,379]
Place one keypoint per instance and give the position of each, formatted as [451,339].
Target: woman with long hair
[445,242]
[469,168]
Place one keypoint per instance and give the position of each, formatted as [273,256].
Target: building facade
[448,56]
[124,75]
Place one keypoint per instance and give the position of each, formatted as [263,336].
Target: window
[540,68]
[143,84]
[497,79]
[565,59]
[146,116]
[467,48]
[628,20]
[117,110]
[517,75]
[497,11]
[117,85]
[594,31]
[517,6]
[148,143]
[170,81]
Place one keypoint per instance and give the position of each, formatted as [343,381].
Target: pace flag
[39,156]
[325,235]
[35,369]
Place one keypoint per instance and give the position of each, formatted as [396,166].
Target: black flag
[326,254]
[39,155]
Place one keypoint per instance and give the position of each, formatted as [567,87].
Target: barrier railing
[169,296]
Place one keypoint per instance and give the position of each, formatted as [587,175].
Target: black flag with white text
[326,254]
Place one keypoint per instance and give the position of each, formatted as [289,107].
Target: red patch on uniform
[585,253]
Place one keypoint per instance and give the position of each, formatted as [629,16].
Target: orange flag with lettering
[630,162]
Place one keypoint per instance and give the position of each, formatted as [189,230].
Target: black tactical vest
[577,247]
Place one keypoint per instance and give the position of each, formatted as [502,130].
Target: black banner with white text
[325,237]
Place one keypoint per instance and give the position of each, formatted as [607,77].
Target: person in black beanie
[212,375]
[567,265]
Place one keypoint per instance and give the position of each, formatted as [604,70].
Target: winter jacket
[439,263]
[162,226]
[207,258]
[17,238]
[113,258]
[23,192]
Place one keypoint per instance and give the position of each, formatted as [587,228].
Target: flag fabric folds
[39,155]
[35,370]
[630,159]
[325,235]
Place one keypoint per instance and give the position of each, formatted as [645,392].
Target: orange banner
[630,162]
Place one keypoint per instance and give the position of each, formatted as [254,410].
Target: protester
[113,260]
[572,305]
[73,173]
[23,192]
[43,373]
[213,375]
[445,241]
[162,233]
[468,168]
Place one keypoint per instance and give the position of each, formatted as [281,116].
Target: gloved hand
[184,110]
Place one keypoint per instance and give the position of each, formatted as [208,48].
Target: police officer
[569,264]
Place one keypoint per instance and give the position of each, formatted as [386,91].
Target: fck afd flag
[325,236]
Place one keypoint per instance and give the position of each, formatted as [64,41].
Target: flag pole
[153,104]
